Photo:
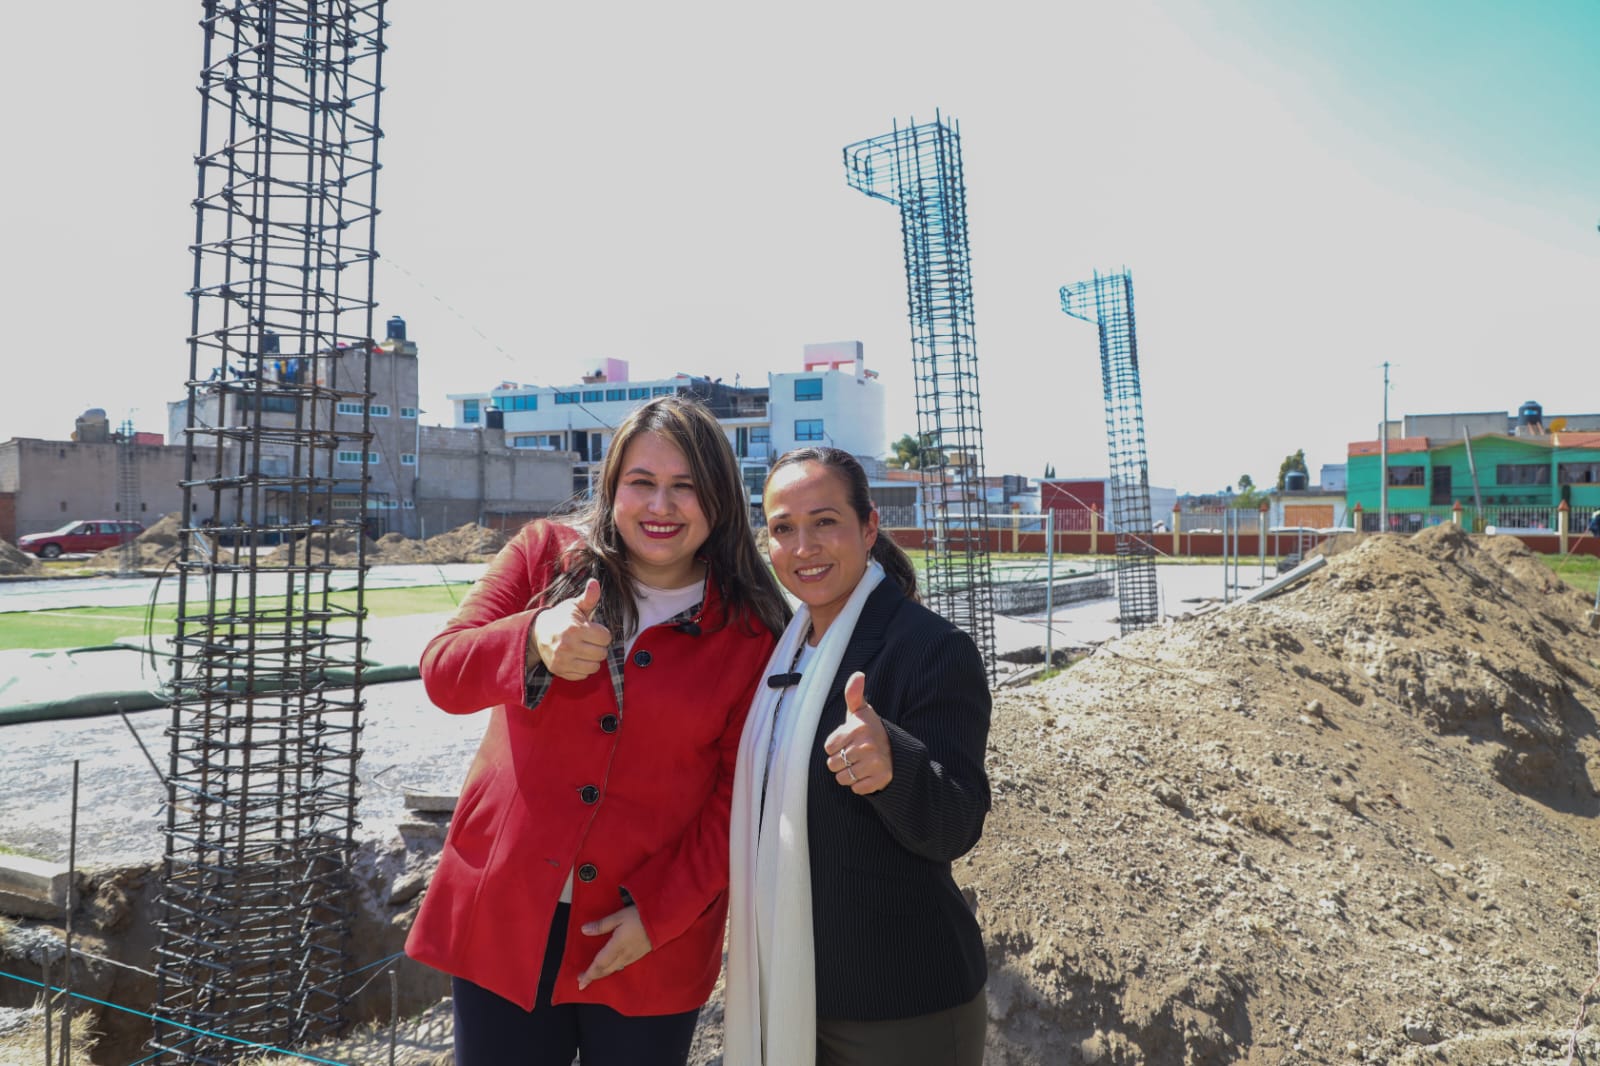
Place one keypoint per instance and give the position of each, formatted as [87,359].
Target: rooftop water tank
[1295,481]
[494,418]
[397,328]
[1530,414]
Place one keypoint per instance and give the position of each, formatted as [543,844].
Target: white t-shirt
[658,605]
[655,606]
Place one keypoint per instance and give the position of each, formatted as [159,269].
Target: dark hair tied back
[896,564]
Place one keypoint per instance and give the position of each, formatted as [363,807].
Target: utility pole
[1383,457]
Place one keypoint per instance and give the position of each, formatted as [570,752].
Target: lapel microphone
[783,680]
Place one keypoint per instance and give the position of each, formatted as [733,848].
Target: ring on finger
[851,770]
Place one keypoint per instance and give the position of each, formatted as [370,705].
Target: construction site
[1346,817]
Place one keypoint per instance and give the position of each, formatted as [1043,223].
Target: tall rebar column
[266,684]
[1107,301]
[918,169]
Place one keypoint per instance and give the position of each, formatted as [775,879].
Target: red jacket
[654,823]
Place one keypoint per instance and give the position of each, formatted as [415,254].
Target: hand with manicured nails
[629,943]
[570,646]
[858,751]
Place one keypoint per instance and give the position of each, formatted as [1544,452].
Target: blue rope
[176,1025]
[380,962]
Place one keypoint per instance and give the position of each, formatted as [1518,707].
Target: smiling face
[819,547]
[657,513]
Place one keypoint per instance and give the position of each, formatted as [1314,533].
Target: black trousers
[951,1037]
[492,1031]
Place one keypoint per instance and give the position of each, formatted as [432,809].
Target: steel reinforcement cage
[1107,301]
[266,683]
[918,169]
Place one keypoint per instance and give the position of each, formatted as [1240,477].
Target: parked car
[79,536]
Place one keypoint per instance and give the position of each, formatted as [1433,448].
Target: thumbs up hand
[858,751]
[570,646]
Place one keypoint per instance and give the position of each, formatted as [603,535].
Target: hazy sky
[1301,191]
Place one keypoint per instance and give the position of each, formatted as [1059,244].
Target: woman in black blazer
[860,778]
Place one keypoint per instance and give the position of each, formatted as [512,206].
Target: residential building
[45,484]
[389,414]
[1071,499]
[1512,476]
[832,400]
[474,475]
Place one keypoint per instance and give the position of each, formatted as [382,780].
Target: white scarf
[771,991]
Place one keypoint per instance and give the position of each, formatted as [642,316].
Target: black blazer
[894,938]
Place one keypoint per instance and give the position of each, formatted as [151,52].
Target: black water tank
[494,418]
[1294,481]
[1530,413]
[397,328]
[269,343]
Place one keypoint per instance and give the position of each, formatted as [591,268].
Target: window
[639,392]
[410,505]
[519,403]
[811,429]
[246,401]
[616,394]
[1578,473]
[348,408]
[469,410]
[661,390]
[1408,475]
[355,457]
[379,410]
[548,441]
[408,459]
[594,395]
[760,434]
[808,389]
[408,412]
[755,479]
[1522,474]
[566,397]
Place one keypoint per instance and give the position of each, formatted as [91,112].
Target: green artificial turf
[84,627]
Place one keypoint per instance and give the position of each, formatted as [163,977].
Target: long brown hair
[746,586]
[896,564]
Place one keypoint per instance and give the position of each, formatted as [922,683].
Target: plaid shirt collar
[616,653]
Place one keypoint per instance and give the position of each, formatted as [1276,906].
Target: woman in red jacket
[580,901]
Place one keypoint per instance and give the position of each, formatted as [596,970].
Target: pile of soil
[153,549]
[14,561]
[470,543]
[1352,823]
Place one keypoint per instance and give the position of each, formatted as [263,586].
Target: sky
[1301,191]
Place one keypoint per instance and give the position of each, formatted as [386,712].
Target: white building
[832,400]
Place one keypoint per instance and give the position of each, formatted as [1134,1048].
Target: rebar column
[1107,301]
[918,169]
[267,673]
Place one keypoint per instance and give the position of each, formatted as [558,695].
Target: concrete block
[32,888]
[444,802]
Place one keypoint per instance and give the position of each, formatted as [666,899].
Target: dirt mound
[153,549]
[1351,823]
[14,560]
[470,543]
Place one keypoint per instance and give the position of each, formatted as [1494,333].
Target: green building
[1510,481]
